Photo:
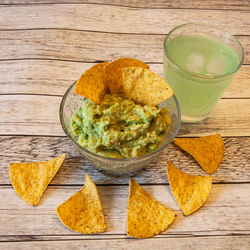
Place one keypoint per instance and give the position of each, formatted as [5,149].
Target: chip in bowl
[92,84]
[144,86]
[113,72]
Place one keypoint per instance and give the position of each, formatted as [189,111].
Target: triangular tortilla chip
[190,191]
[31,179]
[144,86]
[207,151]
[113,72]
[82,212]
[146,217]
[92,84]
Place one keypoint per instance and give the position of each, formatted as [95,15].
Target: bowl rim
[127,160]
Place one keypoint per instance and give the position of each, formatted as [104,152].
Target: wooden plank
[30,113]
[178,4]
[109,18]
[59,237]
[85,46]
[79,45]
[227,209]
[212,243]
[234,167]
[38,115]
[51,77]
[225,115]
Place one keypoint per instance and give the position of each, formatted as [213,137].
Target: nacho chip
[146,217]
[31,179]
[113,72]
[207,151]
[92,84]
[190,191]
[144,86]
[82,212]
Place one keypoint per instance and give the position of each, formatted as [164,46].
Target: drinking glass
[194,57]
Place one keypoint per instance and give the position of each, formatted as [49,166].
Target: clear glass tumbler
[199,63]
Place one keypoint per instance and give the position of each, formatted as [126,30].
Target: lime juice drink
[199,66]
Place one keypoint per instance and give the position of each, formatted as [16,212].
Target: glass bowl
[71,102]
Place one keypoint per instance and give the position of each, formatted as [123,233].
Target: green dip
[118,127]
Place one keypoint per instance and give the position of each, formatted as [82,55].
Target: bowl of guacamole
[118,135]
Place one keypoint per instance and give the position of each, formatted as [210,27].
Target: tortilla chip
[190,191]
[31,179]
[92,84]
[144,86]
[146,216]
[207,151]
[82,212]
[113,72]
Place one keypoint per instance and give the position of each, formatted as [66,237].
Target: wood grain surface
[86,46]
[168,4]
[226,205]
[234,167]
[118,19]
[216,242]
[45,45]
[52,77]
[26,121]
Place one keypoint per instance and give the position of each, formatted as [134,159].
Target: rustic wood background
[47,44]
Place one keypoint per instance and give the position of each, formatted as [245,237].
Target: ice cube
[195,62]
[216,66]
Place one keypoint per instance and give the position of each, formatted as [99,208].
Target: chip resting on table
[190,191]
[207,150]
[83,212]
[31,179]
[146,217]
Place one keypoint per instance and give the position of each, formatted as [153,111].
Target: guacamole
[118,127]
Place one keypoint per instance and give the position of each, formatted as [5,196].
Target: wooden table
[47,44]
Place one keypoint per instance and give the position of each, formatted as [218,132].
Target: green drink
[199,65]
